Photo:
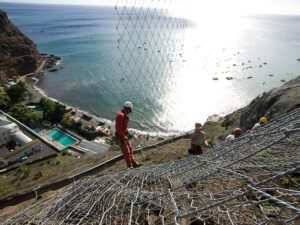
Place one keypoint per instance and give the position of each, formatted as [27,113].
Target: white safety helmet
[128,104]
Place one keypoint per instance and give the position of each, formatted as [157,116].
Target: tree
[25,115]
[17,92]
[4,100]
[48,108]
[67,122]
[59,112]
[52,111]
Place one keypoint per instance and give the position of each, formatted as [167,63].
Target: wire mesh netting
[252,180]
[150,44]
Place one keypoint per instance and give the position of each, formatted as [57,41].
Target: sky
[202,6]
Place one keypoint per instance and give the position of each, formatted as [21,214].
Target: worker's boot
[136,164]
[130,166]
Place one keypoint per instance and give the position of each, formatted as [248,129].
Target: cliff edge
[18,54]
[270,104]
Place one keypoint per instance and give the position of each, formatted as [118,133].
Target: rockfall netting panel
[151,52]
[254,179]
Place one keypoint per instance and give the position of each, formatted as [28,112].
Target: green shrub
[2,185]
[290,182]
[265,154]
[67,122]
[22,172]
[38,175]
[54,162]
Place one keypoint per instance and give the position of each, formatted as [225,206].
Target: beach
[139,139]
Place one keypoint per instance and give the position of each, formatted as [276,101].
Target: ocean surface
[221,64]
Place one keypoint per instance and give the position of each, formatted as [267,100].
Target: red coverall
[121,132]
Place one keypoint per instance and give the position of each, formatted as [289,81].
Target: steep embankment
[270,104]
[18,54]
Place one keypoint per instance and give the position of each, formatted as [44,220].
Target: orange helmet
[237,131]
[198,125]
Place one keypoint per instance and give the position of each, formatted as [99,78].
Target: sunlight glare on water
[195,95]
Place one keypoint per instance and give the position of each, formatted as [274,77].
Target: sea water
[224,63]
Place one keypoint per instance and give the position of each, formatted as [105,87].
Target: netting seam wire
[206,160]
[293,130]
[292,219]
[277,201]
[262,210]
[174,206]
[247,178]
[294,182]
[279,190]
[213,205]
[278,176]
[232,223]
[132,205]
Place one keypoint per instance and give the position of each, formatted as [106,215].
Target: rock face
[270,104]
[18,54]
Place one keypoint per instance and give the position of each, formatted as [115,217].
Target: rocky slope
[269,104]
[18,54]
[272,104]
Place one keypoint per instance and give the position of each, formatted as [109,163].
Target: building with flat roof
[9,131]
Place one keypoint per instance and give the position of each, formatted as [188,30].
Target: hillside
[253,180]
[284,129]
[269,104]
[18,54]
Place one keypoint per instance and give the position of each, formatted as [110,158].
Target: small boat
[53,70]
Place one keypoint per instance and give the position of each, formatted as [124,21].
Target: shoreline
[141,138]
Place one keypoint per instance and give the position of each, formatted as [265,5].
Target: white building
[10,131]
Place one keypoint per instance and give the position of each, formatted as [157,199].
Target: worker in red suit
[122,135]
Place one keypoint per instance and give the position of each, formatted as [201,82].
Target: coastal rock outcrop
[270,104]
[18,54]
